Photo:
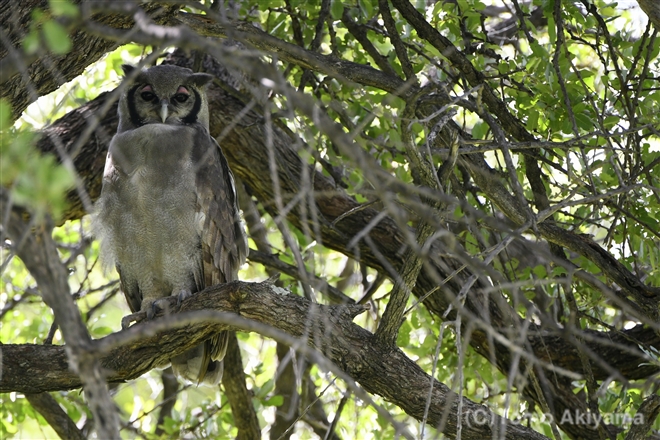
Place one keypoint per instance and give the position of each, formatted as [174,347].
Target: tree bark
[61,423]
[244,149]
[652,9]
[380,370]
[240,398]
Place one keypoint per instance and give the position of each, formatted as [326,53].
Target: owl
[167,217]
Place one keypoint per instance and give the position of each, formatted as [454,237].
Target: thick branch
[334,295]
[652,9]
[61,423]
[380,370]
[646,297]
[170,392]
[244,146]
[647,413]
[643,295]
[287,387]
[307,59]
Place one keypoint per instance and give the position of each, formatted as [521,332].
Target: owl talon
[127,320]
[182,296]
[151,312]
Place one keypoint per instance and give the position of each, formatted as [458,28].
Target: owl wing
[223,239]
[224,244]
[131,291]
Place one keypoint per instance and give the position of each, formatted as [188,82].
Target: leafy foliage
[555,105]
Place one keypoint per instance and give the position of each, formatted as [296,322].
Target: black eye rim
[180,97]
[148,96]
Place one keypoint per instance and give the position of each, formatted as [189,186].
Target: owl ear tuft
[127,68]
[201,79]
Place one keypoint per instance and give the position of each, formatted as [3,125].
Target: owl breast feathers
[167,216]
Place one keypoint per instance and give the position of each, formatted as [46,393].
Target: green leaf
[336,9]
[171,426]
[5,115]
[57,39]
[480,130]
[31,42]
[38,15]
[552,29]
[532,122]
[274,401]
[540,271]
[584,120]
[366,7]
[63,8]
[37,181]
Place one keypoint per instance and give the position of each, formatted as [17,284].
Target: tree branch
[647,413]
[285,386]
[247,159]
[379,370]
[170,392]
[240,398]
[326,64]
[33,243]
[61,423]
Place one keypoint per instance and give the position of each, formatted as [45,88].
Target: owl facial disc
[165,94]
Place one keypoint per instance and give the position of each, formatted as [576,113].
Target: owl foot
[164,304]
[151,309]
[161,304]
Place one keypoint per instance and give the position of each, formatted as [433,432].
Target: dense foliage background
[475,182]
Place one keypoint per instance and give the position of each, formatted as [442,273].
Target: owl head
[164,94]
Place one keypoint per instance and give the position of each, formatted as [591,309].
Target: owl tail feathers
[203,364]
[196,366]
[212,375]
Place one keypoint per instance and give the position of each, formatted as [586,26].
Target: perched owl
[167,216]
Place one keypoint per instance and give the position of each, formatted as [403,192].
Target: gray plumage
[167,216]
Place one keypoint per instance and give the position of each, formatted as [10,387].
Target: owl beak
[164,109]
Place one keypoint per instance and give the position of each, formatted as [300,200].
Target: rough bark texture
[285,386]
[380,370]
[652,9]
[649,411]
[170,388]
[37,249]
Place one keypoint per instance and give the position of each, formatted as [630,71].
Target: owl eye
[181,97]
[148,96]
